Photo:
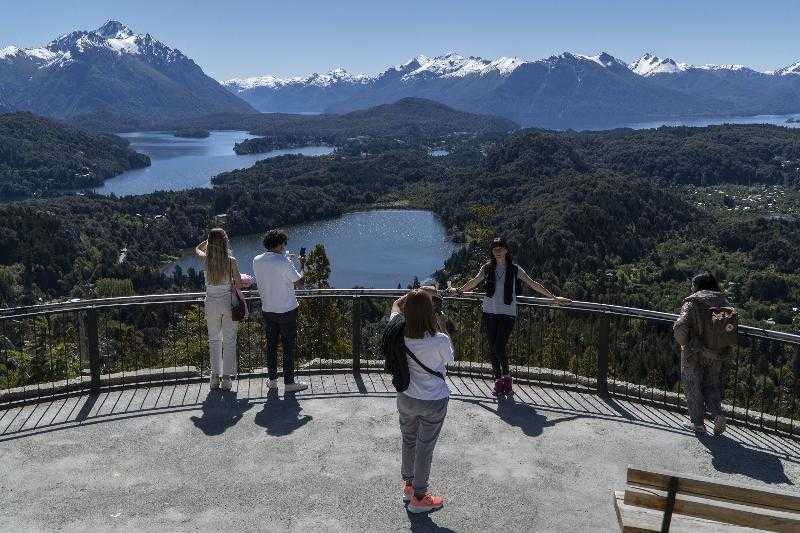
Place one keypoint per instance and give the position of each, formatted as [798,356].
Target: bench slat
[699,486]
[633,519]
[725,511]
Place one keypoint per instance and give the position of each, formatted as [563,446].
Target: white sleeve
[291,273]
[446,349]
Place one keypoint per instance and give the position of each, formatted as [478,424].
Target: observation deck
[110,424]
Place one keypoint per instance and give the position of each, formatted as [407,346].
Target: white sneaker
[297,386]
[719,425]
[214,382]
[227,383]
[273,384]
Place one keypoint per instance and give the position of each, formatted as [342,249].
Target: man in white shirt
[276,276]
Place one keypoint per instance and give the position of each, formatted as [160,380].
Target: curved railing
[70,347]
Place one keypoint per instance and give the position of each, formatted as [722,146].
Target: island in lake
[193,133]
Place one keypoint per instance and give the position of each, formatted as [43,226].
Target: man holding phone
[277,276]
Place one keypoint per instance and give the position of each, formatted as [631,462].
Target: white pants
[221,331]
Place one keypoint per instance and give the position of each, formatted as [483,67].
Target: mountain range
[562,91]
[109,70]
[113,78]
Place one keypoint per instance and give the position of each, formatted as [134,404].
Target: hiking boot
[498,387]
[426,504]
[227,383]
[719,425]
[213,382]
[297,386]
[408,492]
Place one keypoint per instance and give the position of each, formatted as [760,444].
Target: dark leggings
[498,330]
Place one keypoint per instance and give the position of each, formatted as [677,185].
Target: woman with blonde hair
[222,277]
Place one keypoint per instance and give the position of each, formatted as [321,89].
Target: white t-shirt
[276,275]
[434,351]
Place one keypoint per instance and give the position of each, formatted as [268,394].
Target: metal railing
[67,348]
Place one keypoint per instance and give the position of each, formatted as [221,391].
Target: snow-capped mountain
[561,91]
[793,69]
[110,70]
[566,90]
[650,64]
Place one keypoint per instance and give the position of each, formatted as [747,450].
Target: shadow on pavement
[523,416]
[730,457]
[221,410]
[422,522]
[281,416]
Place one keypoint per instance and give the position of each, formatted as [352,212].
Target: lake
[699,122]
[373,249]
[180,163]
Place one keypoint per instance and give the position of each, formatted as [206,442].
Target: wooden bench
[666,501]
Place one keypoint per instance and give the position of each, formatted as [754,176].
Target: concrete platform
[179,458]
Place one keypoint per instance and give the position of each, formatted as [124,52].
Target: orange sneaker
[408,492]
[425,505]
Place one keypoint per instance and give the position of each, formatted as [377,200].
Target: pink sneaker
[425,505]
[508,389]
[408,492]
[498,387]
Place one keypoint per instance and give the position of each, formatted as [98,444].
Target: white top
[435,351]
[276,275]
[496,305]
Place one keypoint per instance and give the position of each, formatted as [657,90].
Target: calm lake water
[179,163]
[699,122]
[374,249]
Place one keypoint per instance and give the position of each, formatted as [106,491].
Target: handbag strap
[414,357]
[230,273]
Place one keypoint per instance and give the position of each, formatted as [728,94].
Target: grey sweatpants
[701,378]
[420,424]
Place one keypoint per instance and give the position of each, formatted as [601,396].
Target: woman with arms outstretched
[499,307]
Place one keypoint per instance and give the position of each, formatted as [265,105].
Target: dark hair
[705,281]
[274,238]
[496,243]
[418,311]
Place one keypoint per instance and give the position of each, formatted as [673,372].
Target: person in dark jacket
[701,368]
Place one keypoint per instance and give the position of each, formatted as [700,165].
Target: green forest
[623,217]
[39,157]
[595,226]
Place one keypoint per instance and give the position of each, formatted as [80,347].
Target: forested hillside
[590,225]
[39,156]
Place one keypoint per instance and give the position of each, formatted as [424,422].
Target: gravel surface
[181,458]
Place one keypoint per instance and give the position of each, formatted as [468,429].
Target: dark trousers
[283,327]
[498,330]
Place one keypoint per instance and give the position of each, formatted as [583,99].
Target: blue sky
[245,38]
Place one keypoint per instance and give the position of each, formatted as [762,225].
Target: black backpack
[394,349]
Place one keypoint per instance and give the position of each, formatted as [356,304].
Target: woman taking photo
[499,307]
[423,405]
[222,276]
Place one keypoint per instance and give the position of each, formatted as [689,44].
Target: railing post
[90,345]
[602,355]
[356,334]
